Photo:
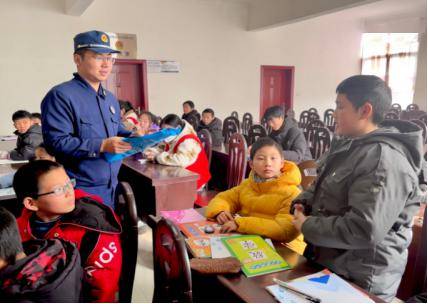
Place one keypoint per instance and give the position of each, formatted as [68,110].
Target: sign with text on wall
[163,66]
[125,43]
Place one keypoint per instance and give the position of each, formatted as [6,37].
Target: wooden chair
[230,126]
[409,115]
[265,124]
[308,170]
[304,118]
[329,119]
[206,140]
[309,130]
[235,114]
[414,280]
[172,274]
[412,107]
[313,110]
[238,158]
[396,106]
[126,209]
[313,116]
[255,132]
[391,115]
[247,122]
[396,111]
[322,141]
[193,120]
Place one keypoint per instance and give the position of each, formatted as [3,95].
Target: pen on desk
[302,294]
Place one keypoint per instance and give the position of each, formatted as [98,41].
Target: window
[392,57]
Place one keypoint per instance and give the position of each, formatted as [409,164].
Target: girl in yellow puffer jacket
[261,203]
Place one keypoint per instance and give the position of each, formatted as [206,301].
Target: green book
[255,255]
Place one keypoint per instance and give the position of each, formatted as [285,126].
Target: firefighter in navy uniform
[81,119]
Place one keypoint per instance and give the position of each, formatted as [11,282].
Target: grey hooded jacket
[362,206]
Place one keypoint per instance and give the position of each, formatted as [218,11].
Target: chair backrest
[391,115]
[322,141]
[313,116]
[329,118]
[238,159]
[316,123]
[207,142]
[396,106]
[247,122]
[308,170]
[193,120]
[303,119]
[265,124]
[312,110]
[255,132]
[423,126]
[173,279]
[126,209]
[230,126]
[412,107]
[235,114]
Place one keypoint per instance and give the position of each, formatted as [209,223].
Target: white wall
[220,60]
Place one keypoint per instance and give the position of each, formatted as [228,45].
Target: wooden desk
[158,187]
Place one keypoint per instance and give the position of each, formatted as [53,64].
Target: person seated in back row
[189,110]
[357,217]
[213,125]
[39,270]
[261,203]
[36,118]
[52,210]
[184,150]
[286,132]
[147,124]
[29,137]
[128,115]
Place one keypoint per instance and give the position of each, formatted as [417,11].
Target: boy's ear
[30,203]
[366,110]
[251,164]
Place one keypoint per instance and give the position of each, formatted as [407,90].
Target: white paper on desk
[219,250]
[10,162]
[7,191]
[325,285]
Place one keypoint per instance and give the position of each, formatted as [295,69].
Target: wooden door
[276,87]
[128,81]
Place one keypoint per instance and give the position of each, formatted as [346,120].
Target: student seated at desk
[357,217]
[42,154]
[36,118]
[38,270]
[184,150]
[286,133]
[146,124]
[213,125]
[29,137]
[261,203]
[53,211]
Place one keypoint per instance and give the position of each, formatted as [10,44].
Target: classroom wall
[220,60]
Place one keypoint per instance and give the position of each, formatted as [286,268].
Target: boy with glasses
[52,211]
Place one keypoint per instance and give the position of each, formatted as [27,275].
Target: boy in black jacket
[38,270]
[213,125]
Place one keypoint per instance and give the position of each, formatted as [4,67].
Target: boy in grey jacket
[357,216]
[213,125]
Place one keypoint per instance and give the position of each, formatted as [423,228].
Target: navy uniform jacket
[75,120]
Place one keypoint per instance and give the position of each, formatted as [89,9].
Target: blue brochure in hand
[140,143]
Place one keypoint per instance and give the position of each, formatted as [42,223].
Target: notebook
[199,246]
[199,228]
[256,256]
[183,216]
[324,285]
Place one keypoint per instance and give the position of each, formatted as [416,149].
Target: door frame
[263,69]
[142,64]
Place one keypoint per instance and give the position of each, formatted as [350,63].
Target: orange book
[200,247]
[201,228]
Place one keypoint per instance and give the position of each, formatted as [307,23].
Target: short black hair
[36,115]
[172,120]
[360,89]
[264,142]
[26,179]
[190,103]
[210,111]
[126,105]
[20,114]
[275,111]
[10,241]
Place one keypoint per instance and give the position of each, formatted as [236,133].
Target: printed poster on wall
[163,66]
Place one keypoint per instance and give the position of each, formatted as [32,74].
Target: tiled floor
[143,283]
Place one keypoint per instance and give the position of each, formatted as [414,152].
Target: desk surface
[160,174]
